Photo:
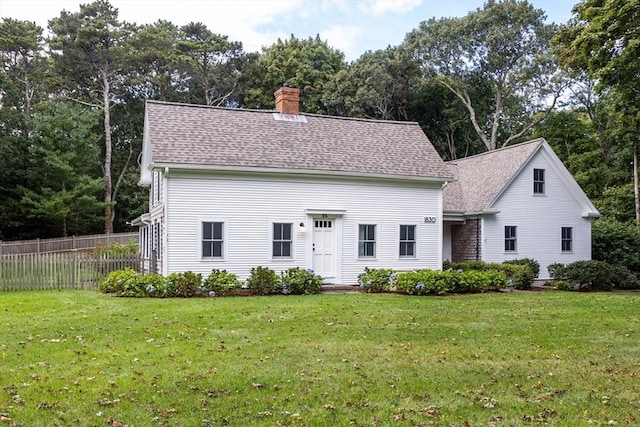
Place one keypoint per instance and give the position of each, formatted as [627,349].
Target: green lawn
[549,358]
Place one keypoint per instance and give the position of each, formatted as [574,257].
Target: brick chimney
[288,100]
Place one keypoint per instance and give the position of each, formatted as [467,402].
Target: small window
[567,239]
[366,240]
[538,181]
[212,239]
[407,241]
[158,243]
[510,238]
[281,240]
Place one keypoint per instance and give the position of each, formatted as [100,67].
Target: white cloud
[380,7]
[344,38]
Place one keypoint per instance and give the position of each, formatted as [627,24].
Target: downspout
[477,237]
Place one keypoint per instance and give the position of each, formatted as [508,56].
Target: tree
[506,44]
[210,64]
[604,40]
[376,85]
[63,172]
[22,76]
[90,51]
[306,64]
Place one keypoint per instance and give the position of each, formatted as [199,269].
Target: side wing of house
[336,226]
[541,214]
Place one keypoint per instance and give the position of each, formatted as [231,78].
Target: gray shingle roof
[480,178]
[195,135]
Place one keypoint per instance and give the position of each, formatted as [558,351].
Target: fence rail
[60,270]
[65,244]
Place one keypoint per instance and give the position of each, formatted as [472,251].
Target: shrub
[376,279]
[184,285]
[532,263]
[616,243]
[422,282]
[521,273]
[561,285]
[116,281]
[221,283]
[430,282]
[625,279]
[155,285]
[298,281]
[115,248]
[263,281]
[594,275]
[465,265]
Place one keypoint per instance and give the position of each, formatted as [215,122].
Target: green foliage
[616,243]
[432,282]
[507,44]
[299,281]
[264,281]
[532,263]
[116,281]
[585,275]
[155,285]
[185,285]
[520,273]
[221,283]
[308,64]
[116,248]
[376,279]
[562,285]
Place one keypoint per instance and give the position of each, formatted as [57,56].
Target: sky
[352,26]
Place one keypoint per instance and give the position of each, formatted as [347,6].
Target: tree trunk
[108,227]
[636,192]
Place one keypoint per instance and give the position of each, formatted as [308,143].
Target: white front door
[324,247]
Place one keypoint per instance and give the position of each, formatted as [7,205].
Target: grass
[552,358]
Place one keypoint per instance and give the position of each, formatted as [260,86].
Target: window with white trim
[510,238]
[366,240]
[282,240]
[212,239]
[538,181]
[567,239]
[407,241]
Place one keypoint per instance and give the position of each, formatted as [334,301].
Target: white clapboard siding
[249,206]
[538,218]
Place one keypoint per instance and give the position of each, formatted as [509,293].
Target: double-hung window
[212,239]
[567,239]
[538,181]
[407,241]
[366,240]
[282,240]
[510,238]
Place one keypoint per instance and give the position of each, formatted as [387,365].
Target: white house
[235,189]
[513,203]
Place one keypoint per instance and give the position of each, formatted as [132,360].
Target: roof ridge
[257,110]
[497,150]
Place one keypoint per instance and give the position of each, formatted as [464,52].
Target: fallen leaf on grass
[257,385]
[45,405]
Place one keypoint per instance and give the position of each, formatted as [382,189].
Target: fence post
[74,275]
[38,242]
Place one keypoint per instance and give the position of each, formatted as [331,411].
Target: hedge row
[263,281]
[592,275]
[432,282]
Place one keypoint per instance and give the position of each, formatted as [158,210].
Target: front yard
[509,359]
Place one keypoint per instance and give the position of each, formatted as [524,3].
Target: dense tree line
[72,103]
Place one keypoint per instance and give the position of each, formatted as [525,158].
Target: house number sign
[430,219]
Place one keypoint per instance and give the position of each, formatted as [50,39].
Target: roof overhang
[591,214]
[460,216]
[142,220]
[165,167]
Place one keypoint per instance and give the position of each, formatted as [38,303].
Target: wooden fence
[61,270]
[65,244]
